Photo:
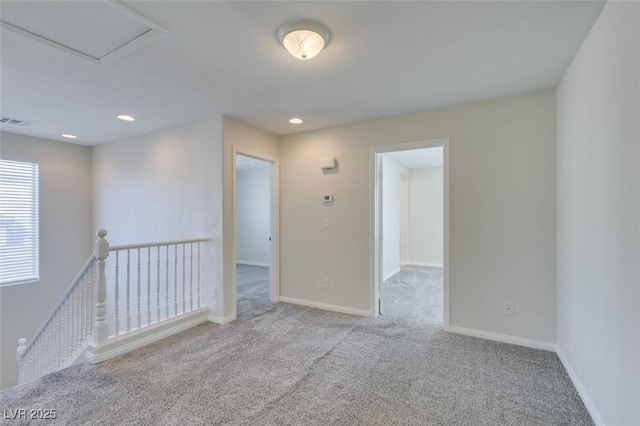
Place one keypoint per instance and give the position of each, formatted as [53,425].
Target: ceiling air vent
[15,122]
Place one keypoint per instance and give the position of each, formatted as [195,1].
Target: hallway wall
[164,186]
[598,216]
[426,222]
[502,156]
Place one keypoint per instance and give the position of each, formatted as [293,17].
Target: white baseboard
[504,338]
[395,271]
[431,265]
[326,306]
[124,343]
[595,416]
[221,320]
[243,262]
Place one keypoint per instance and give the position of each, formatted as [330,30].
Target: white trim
[221,320]
[431,265]
[326,306]
[125,343]
[242,262]
[595,416]
[395,271]
[375,214]
[504,338]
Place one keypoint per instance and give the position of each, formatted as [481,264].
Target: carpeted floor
[414,293]
[282,364]
[253,287]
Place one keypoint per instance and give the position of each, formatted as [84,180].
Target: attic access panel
[99,31]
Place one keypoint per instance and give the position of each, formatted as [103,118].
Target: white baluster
[175,281]
[69,350]
[65,332]
[85,305]
[55,358]
[184,281]
[116,299]
[158,288]
[138,318]
[100,334]
[83,308]
[166,282]
[74,314]
[36,349]
[48,348]
[191,277]
[57,320]
[78,321]
[92,275]
[128,306]
[148,285]
[198,285]
[70,338]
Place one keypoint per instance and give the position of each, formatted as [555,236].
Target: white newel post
[102,252]
[22,345]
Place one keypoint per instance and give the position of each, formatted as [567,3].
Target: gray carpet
[281,364]
[414,293]
[253,287]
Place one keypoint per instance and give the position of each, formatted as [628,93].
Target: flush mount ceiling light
[304,39]
[69,136]
[126,118]
[295,120]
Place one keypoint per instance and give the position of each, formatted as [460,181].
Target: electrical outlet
[509,308]
[325,222]
[325,283]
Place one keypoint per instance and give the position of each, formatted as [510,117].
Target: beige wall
[502,165]
[66,240]
[426,223]
[392,210]
[599,216]
[247,139]
[164,186]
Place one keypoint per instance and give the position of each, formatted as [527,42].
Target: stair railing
[149,285]
[153,283]
[65,334]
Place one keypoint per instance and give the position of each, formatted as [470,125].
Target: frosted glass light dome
[304,39]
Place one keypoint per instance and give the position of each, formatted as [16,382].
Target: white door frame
[376,222]
[274,199]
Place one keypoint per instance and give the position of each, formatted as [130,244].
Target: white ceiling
[385,58]
[418,158]
[245,163]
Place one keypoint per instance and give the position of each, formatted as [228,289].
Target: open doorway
[411,229]
[253,219]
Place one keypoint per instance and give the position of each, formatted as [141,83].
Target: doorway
[255,234]
[410,253]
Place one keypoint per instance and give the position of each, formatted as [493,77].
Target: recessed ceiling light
[304,39]
[295,120]
[69,136]
[126,118]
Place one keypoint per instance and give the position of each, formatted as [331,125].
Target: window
[18,222]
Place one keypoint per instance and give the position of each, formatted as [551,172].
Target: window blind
[19,251]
